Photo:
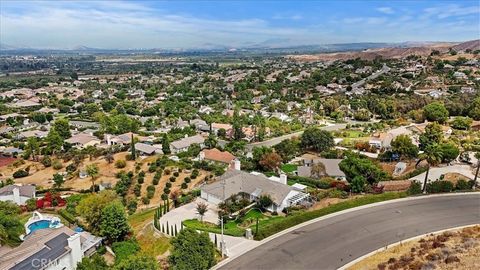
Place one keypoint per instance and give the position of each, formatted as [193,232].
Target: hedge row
[300,217]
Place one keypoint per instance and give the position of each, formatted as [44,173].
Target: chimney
[16,195]
[237,165]
[75,246]
[109,137]
[283,178]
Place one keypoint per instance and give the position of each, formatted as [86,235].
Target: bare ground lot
[42,177]
[450,250]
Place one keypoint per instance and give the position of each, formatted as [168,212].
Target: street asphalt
[336,241]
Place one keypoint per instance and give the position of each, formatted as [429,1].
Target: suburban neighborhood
[346,156]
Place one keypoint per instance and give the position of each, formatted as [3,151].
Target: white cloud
[111,24]
[385,10]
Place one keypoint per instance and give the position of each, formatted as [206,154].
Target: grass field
[289,168]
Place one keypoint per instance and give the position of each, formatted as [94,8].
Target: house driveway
[435,173]
[235,245]
[189,211]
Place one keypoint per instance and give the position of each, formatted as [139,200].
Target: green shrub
[184,185]
[67,216]
[20,174]
[173,179]
[415,188]
[439,186]
[57,164]
[464,185]
[137,190]
[187,180]
[46,161]
[145,200]
[124,249]
[120,164]
[176,174]
[150,191]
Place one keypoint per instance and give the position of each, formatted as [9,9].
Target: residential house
[215,155]
[147,149]
[82,140]
[200,125]
[206,110]
[17,194]
[332,168]
[122,139]
[182,145]
[50,249]
[217,126]
[251,186]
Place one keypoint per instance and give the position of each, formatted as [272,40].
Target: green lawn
[289,168]
[279,224]
[233,227]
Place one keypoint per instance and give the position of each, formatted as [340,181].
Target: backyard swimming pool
[38,222]
[37,225]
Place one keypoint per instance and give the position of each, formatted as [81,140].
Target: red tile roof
[217,155]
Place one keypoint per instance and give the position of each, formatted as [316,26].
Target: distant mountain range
[272,45]
[421,49]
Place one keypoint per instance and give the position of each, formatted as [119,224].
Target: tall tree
[202,209]
[404,146]
[32,148]
[133,152]
[113,223]
[10,226]
[192,250]
[436,112]
[58,180]
[90,208]
[317,139]
[93,171]
[165,145]
[62,126]
[433,135]
[433,156]
[318,170]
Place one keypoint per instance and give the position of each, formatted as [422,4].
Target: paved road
[333,242]
[274,141]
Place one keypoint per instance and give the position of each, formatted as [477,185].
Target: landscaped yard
[234,227]
[289,168]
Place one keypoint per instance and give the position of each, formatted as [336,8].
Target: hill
[388,52]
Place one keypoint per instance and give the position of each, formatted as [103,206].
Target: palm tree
[202,208]
[433,156]
[92,170]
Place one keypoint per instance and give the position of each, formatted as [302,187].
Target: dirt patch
[449,250]
[455,177]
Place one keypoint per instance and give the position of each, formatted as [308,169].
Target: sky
[234,24]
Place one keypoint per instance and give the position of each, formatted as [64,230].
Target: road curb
[346,266]
[306,223]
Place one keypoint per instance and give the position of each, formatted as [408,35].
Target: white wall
[11,198]
[209,198]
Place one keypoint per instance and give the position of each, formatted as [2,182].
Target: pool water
[41,224]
